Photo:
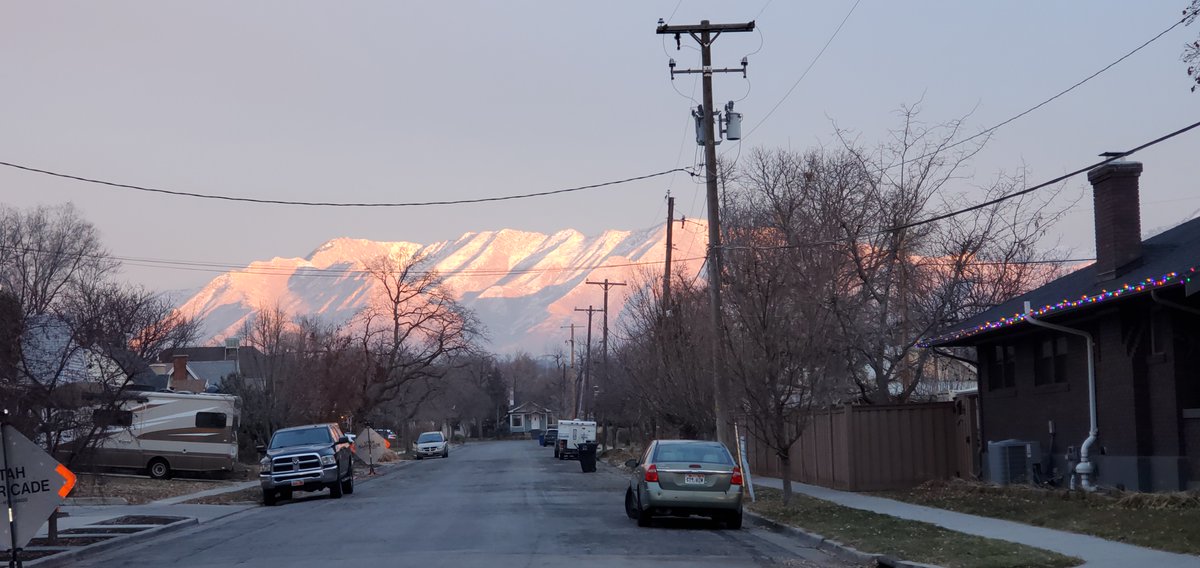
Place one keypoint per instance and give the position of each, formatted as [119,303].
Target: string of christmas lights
[1168,279]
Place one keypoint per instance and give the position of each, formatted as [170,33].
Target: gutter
[1084,468]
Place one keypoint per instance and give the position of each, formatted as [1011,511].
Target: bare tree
[1191,51]
[410,335]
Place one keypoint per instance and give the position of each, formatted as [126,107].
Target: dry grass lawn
[1166,521]
[899,538]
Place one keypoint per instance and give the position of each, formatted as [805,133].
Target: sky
[414,101]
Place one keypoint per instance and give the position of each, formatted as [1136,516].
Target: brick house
[1140,306]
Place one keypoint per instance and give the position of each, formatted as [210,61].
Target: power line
[309,271]
[1051,99]
[806,70]
[1110,158]
[338,204]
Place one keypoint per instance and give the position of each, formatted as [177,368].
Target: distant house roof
[1170,258]
[247,358]
[529,408]
[213,372]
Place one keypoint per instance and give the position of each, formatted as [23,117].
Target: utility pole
[604,340]
[575,399]
[587,362]
[666,295]
[705,34]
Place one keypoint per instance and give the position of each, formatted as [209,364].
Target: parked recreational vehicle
[164,432]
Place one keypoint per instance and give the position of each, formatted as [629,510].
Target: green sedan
[681,478]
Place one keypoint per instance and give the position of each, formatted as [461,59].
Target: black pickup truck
[306,458]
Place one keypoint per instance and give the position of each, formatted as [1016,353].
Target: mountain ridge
[522,285]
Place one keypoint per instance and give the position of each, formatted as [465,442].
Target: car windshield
[303,437]
[430,437]
[694,453]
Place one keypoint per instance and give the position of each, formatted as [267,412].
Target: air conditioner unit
[1012,461]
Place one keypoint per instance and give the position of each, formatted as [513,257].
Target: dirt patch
[1166,521]
[140,520]
[69,541]
[139,490]
[99,530]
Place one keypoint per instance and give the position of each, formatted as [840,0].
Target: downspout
[1170,304]
[1084,469]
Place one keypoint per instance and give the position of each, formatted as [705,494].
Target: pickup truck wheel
[348,486]
[158,468]
[269,497]
[335,489]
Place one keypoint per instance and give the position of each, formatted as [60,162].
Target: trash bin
[542,440]
[587,456]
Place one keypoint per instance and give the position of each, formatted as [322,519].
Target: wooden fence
[876,448]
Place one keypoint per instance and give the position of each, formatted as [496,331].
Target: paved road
[491,504]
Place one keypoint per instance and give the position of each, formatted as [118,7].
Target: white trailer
[571,433]
[162,432]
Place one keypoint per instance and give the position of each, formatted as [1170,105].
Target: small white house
[529,417]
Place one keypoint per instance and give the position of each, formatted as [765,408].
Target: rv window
[210,420]
[106,418]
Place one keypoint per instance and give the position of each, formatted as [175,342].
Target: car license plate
[297,483]
[693,479]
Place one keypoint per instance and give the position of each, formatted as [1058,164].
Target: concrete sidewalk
[1097,552]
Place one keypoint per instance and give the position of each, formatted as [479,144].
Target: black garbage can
[587,456]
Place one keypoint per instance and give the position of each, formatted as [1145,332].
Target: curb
[838,549]
[70,556]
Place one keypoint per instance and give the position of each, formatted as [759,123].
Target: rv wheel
[158,468]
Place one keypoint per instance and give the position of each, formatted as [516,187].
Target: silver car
[430,444]
[680,478]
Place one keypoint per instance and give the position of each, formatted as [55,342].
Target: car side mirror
[343,440]
[261,449]
[631,464]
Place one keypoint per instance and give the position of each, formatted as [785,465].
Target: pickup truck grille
[290,464]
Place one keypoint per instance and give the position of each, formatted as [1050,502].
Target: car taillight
[737,476]
[652,473]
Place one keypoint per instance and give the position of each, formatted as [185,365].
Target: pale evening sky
[408,101]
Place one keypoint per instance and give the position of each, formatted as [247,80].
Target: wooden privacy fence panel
[871,448]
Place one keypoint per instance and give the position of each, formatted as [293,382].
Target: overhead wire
[991,129]
[312,271]
[1109,159]
[339,204]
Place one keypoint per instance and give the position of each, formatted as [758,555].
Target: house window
[1002,370]
[105,418]
[518,421]
[210,420]
[1051,366]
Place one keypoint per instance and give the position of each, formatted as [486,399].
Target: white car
[431,444]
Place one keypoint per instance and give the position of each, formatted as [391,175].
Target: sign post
[32,484]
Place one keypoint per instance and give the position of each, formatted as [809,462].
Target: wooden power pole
[705,34]
[604,339]
[587,364]
[666,295]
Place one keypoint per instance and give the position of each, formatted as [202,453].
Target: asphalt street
[490,504]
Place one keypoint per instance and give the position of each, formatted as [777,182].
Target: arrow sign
[32,485]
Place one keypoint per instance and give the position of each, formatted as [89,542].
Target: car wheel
[269,497]
[418,456]
[556,452]
[348,486]
[734,520]
[644,517]
[630,507]
[446,453]
[158,468]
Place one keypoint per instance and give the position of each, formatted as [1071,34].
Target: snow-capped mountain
[522,285]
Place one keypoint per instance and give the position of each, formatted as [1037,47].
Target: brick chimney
[179,374]
[1118,218]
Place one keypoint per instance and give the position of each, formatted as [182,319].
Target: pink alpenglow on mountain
[521,285]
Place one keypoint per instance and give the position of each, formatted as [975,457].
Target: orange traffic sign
[32,485]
